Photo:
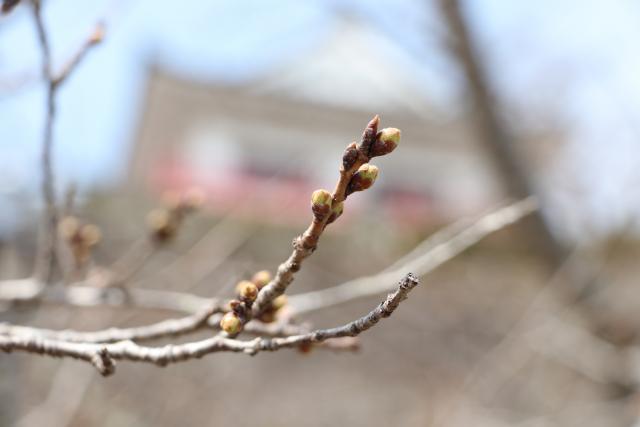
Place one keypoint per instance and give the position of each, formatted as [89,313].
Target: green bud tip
[261,278]
[390,135]
[368,172]
[386,141]
[364,178]
[321,198]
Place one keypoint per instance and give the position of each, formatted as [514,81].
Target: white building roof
[356,67]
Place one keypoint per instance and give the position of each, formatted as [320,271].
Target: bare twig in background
[422,260]
[45,263]
[46,260]
[86,294]
[103,356]
[170,327]
[492,132]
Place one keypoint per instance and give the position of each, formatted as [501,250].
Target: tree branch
[103,356]
[434,255]
[354,157]
[45,263]
[46,259]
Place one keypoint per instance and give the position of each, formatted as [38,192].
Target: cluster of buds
[374,143]
[80,238]
[240,307]
[323,206]
[164,222]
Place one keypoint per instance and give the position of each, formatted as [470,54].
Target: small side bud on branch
[164,222]
[161,225]
[336,211]
[247,291]
[91,234]
[261,278]
[270,314]
[80,238]
[98,34]
[193,199]
[321,203]
[231,323]
[305,348]
[364,178]
[68,227]
[279,302]
[386,141]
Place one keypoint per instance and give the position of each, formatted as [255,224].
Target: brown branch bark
[103,356]
[305,244]
[207,318]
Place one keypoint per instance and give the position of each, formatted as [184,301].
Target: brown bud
[231,323]
[68,227]
[194,198]
[305,348]
[386,141]
[364,178]
[350,155]
[234,305]
[369,135]
[279,302]
[161,224]
[90,234]
[261,278]
[268,316]
[247,290]
[321,203]
[171,200]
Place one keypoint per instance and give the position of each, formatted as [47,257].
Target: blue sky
[576,59]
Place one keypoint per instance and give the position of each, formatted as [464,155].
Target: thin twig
[422,264]
[103,356]
[46,260]
[165,328]
[94,38]
[45,263]
[83,294]
[305,244]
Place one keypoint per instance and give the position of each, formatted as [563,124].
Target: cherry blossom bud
[261,278]
[231,323]
[247,291]
[386,141]
[321,203]
[364,178]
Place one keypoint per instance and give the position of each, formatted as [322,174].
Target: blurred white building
[258,147]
